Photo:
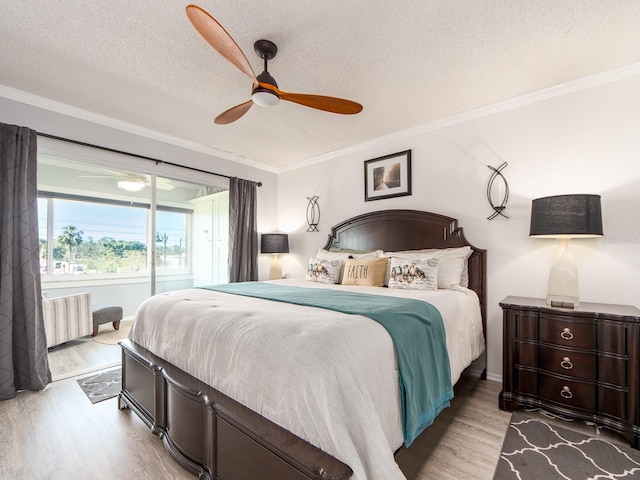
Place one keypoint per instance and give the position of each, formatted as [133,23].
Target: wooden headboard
[394,230]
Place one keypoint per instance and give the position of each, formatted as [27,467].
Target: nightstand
[582,363]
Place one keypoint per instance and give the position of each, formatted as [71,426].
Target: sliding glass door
[124,236]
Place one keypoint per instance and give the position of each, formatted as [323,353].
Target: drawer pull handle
[566,334]
[566,363]
[566,392]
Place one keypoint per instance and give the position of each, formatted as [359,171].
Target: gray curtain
[23,344]
[243,232]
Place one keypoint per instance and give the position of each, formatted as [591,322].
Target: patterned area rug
[536,450]
[102,386]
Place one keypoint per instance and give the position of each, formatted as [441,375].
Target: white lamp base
[563,279]
[275,273]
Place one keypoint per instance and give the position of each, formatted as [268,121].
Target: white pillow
[418,273]
[324,271]
[453,263]
[464,279]
[452,266]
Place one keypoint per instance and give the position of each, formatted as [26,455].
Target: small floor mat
[102,386]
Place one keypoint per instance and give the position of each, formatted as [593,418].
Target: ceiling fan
[265,91]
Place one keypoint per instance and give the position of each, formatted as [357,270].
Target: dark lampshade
[571,216]
[274,243]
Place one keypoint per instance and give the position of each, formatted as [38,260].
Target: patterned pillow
[414,274]
[365,272]
[324,271]
[452,267]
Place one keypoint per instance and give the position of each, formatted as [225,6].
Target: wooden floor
[59,434]
[84,355]
[471,446]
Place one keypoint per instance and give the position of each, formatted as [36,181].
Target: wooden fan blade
[328,104]
[234,113]
[218,38]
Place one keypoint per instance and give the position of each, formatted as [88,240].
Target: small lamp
[565,217]
[274,243]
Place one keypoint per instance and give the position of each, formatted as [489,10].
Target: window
[98,230]
[96,236]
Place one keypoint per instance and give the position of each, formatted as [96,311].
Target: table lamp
[274,243]
[565,217]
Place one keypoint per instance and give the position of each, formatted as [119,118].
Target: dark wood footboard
[212,435]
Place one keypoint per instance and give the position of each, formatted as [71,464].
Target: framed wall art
[388,176]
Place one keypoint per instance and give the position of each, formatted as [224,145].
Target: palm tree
[71,237]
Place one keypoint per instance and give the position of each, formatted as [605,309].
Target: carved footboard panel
[210,434]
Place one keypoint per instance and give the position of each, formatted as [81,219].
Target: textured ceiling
[407,62]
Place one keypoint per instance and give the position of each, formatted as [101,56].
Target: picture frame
[388,176]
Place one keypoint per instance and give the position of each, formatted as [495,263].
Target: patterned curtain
[23,344]
[243,231]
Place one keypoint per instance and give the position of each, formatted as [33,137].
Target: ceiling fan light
[131,185]
[265,98]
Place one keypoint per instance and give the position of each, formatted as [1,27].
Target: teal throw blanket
[416,329]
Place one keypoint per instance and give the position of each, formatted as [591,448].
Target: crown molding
[505,105]
[64,109]
[585,83]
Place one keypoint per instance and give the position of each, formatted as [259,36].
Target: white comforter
[330,378]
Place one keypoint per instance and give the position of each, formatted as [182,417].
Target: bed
[218,428]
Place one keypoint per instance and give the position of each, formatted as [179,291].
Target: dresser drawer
[584,366]
[574,364]
[561,330]
[569,393]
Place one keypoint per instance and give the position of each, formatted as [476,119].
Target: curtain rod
[113,150]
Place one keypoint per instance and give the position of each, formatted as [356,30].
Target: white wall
[576,140]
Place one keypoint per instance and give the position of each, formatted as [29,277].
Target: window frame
[49,277]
